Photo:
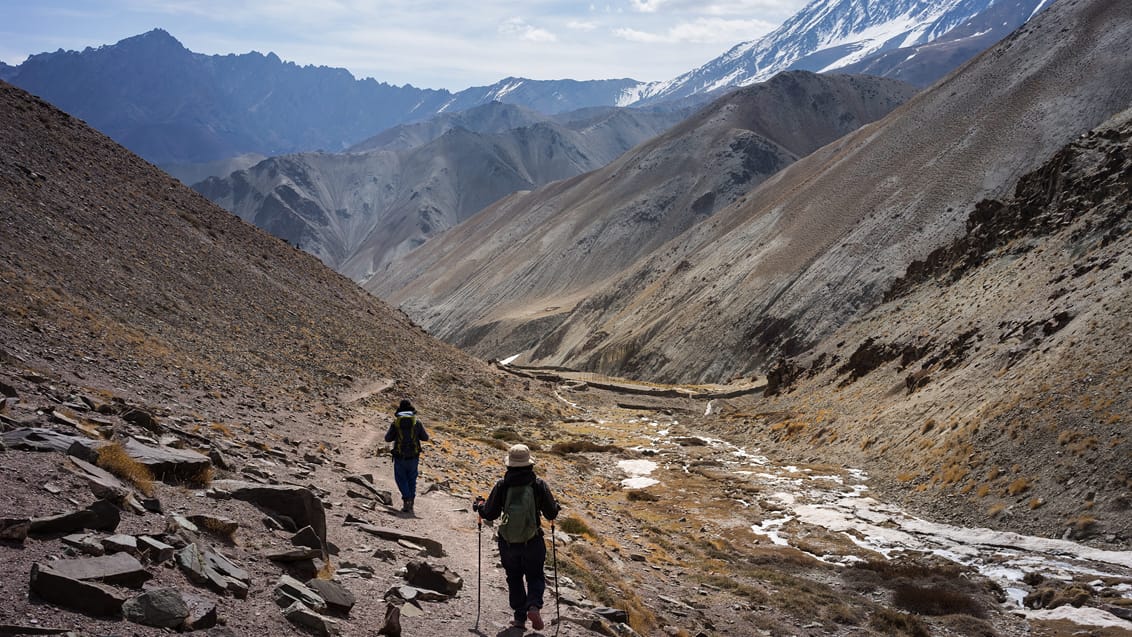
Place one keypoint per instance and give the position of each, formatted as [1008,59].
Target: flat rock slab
[434,548]
[121,569]
[13,629]
[87,597]
[317,624]
[338,597]
[101,515]
[289,590]
[41,439]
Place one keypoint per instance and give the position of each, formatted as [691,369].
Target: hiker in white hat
[519,499]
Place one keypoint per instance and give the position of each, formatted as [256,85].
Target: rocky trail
[665,528]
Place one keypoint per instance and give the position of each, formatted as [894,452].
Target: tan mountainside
[820,242]
[502,281]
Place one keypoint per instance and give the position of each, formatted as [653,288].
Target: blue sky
[428,43]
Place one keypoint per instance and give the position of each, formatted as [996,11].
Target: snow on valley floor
[839,502]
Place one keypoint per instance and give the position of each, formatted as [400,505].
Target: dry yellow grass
[1018,486]
[113,458]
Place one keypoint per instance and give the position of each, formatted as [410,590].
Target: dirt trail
[448,519]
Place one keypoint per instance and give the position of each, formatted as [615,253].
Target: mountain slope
[990,387]
[357,211]
[120,271]
[499,282]
[819,243]
[827,35]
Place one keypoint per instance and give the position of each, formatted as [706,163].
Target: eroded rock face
[298,504]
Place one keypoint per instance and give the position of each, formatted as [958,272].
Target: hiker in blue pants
[519,498]
[406,432]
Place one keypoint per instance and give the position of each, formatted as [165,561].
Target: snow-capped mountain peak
[832,34]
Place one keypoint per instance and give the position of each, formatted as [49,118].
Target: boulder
[158,607]
[300,615]
[338,597]
[101,515]
[168,464]
[289,590]
[120,569]
[14,529]
[299,504]
[392,625]
[155,550]
[86,597]
[102,483]
[441,579]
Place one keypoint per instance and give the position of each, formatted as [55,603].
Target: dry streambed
[830,514]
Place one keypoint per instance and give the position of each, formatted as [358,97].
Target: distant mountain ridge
[171,105]
[358,210]
[828,35]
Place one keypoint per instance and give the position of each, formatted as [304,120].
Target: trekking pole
[557,607]
[479,559]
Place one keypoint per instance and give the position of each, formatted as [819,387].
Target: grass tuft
[113,458]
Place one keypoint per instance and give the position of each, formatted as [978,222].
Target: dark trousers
[524,562]
[405,475]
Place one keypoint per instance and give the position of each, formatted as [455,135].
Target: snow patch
[638,472]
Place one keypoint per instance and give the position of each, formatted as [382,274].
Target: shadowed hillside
[504,280]
[192,295]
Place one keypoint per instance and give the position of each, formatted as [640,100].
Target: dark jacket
[402,447]
[519,476]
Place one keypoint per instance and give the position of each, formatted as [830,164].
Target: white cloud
[582,25]
[701,30]
[517,27]
[646,6]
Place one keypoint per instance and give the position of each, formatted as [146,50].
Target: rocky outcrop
[298,505]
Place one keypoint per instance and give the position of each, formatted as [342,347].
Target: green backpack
[520,515]
[407,444]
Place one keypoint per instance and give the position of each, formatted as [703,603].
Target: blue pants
[405,475]
[524,561]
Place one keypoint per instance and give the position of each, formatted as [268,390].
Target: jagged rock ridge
[358,210]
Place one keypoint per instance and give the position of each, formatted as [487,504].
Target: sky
[426,43]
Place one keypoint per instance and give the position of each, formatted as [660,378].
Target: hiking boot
[407,506]
[536,619]
[518,623]
[410,503]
